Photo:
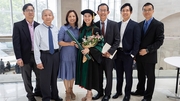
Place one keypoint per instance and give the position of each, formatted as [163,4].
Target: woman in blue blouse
[68,53]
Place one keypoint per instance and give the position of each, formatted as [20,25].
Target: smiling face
[148,12]
[72,18]
[47,17]
[103,12]
[126,13]
[87,17]
[29,12]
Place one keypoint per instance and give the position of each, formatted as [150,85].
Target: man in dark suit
[23,38]
[152,38]
[130,39]
[111,36]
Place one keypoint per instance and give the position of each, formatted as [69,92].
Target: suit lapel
[149,28]
[128,25]
[26,30]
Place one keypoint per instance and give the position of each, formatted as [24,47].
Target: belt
[120,48]
[47,51]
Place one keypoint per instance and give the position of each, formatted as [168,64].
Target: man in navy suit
[130,33]
[111,36]
[23,39]
[152,38]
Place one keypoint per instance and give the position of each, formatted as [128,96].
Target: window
[114,8]
[11,11]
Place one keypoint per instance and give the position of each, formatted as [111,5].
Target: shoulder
[19,23]
[111,22]
[39,27]
[156,22]
[36,23]
[55,28]
[132,22]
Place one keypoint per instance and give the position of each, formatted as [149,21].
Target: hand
[85,51]
[106,54]
[76,46]
[40,66]
[72,43]
[20,62]
[142,52]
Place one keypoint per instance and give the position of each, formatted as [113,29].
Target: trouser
[107,67]
[146,70]
[48,76]
[27,74]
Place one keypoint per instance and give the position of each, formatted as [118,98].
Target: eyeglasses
[148,10]
[29,10]
[125,11]
[102,10]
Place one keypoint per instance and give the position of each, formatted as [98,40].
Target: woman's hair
[67,23]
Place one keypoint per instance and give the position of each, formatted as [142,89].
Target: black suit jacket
[131,38]
[151,40]
[22,40]
[112,36]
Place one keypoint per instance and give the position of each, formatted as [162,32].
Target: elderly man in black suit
[111,36]
[152,38]
[130,33]
[23,43]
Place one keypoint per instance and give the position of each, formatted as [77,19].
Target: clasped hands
[142,52]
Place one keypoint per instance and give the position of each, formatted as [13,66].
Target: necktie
[102,29]
[145,27]
[51,46]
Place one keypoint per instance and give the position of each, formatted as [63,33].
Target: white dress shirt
[41,40]
[122,29]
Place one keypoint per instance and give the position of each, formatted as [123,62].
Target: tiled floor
[16,92]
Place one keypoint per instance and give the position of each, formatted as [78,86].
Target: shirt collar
[104,21]
[48,26]
[126,21]
[30,23]
[149,21]
[68,26]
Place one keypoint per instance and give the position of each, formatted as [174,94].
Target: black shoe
[126,98]
[137,93]
[145,100]
[37,94]
[97,96]
[31,99]
[116,95]
[105,98]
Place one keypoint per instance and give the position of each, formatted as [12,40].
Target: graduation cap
[88,11]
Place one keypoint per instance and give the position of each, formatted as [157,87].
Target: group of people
[3,68]
[36,48]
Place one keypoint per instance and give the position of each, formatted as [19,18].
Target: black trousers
[106,66]
[27,74]
[48,76]
[146,70]
[124,64]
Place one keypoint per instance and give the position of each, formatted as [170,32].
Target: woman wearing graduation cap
[87,71]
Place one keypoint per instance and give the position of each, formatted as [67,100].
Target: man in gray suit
[111,36]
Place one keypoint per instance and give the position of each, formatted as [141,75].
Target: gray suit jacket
[112,35]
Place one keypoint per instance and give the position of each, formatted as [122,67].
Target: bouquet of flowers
[91,41]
